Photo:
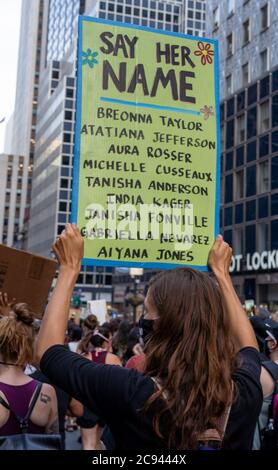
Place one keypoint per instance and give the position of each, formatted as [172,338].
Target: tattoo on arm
[45,398]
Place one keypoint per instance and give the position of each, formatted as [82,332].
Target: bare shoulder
[267,382]
[112,359]
[47,394]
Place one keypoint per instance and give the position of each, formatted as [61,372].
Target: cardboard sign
[26,277]
[99,309]
[147,146]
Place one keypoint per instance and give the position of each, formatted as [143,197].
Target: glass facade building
[249,196]
[249,142]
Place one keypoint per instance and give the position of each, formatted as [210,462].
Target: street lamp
[135,274]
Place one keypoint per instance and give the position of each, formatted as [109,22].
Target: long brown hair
[191,354]
[17,336]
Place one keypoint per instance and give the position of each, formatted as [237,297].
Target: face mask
[146,329]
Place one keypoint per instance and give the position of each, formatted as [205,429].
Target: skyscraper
[248,37]
[52,178]
[248,40]
[21,130]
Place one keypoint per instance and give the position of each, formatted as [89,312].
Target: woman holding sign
[202,373]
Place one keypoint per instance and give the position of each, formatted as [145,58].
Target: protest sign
[147,150]
[99,309]
[26,277]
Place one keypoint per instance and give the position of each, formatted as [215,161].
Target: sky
[9,39]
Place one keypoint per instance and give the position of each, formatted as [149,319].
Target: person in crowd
[120,339]
[274,316]
[16,388]
[266,331]
[66,405]
[96,350]
[136,359]
[75,337]
[262,312]
[201,385]
[90,324]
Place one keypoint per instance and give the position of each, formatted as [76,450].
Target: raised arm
[69,249]
[219,261]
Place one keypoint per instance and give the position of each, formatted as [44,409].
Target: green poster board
[147,146]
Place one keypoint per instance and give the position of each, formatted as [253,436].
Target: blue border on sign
[218,143]
[76,168]
[77,131]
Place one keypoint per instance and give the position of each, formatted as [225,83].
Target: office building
[249,142]
[21,130]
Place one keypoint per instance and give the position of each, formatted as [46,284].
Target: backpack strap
[23,422]
[33,402]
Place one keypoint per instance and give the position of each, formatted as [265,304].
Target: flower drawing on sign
[89,58]
[208,111]
[206,52]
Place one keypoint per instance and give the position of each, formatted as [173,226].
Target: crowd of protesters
[195,373]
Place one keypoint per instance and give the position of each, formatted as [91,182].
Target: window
[246,32]
[274,141]
[228,216]
[274,238]
[229,85]
[239,214]
[231,7]
[274,204]
[264,61]
[264,117]
[263,237]
[228,188]
[250,238]
[264,87]
[264,145]
[274,173]
[250,213]
[230,107]
[216,18]
[229,161]
[228,237]
[263,207]
[251,181]
[252,94]
[245,74]
[275,111]
[239,184]
[230,44]
[62,206]
[251,122]
[238,241]
[230,134]
[240,101]
[222,136]
[264,17]
[251,151]
[275,80]
[240,156]
[240,129]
